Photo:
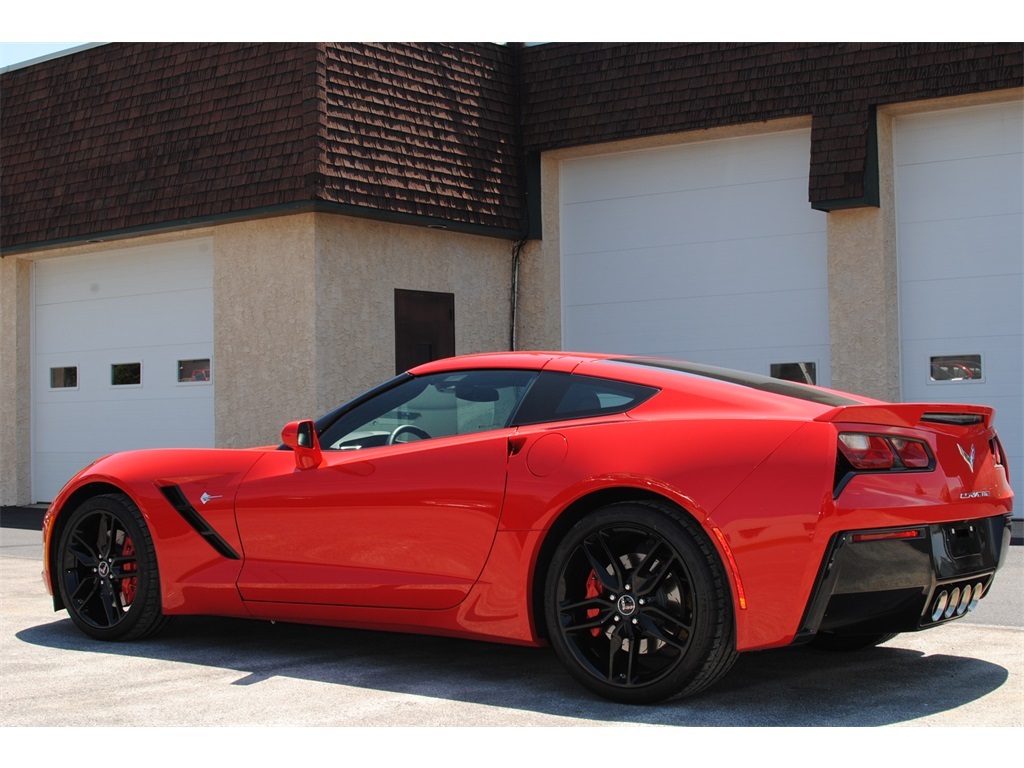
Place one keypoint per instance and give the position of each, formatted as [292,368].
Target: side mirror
[300,436]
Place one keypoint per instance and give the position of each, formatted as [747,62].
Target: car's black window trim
[329,421]
[745,379]
[325,421]
[539,404]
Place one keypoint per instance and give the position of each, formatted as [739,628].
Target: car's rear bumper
[886,580]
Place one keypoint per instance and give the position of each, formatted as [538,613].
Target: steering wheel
[407,428]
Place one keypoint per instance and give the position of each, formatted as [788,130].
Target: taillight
[913,453]
[865,452]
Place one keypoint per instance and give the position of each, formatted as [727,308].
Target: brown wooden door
[424,327]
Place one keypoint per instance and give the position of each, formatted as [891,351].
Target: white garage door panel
[140,423]
[732,267]
[978,247]
[152,306]
[159,379]
[973,195]
[185,316]
[951,309]
[717,213]
[708,252]
[138,271]
[701,324]
[1001,372]
[960,220]
[713,163]
[960,133]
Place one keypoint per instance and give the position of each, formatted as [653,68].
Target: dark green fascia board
[840,205]
[266,213]
[534,212]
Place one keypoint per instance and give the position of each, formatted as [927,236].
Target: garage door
[122,356]
[959,204]
[707,252]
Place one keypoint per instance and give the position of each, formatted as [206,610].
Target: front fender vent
[177,499]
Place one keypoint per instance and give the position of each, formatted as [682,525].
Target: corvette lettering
[975,495]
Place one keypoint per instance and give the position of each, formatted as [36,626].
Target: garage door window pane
[194,370]
[65,377]
[956,368]
[126,374]
[804,373]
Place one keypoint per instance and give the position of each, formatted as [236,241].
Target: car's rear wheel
[107,571]
[833,641]
[637,605]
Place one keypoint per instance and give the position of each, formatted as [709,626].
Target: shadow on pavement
[789,687]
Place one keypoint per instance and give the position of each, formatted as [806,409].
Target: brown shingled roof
[123,137]
[133,135]
[128,136]
[425,129]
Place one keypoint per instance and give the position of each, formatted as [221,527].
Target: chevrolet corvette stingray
[649,519]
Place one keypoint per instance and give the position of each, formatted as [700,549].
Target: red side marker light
[741,595]
[886,536]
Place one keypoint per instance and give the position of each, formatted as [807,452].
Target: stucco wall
[264,321]
[304,311]
[359,265]
[15,413]
[863,295]
[863,288]
[539,323]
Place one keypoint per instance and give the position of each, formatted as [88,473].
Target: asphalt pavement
[224,672]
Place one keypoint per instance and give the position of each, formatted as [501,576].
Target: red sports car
[647,518]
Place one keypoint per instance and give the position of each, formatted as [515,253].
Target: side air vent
[177,499]
[959,419]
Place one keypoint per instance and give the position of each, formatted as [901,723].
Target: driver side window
[426,407]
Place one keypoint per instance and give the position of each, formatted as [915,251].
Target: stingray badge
[968,457]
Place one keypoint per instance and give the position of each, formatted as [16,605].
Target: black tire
[831,641]
[107,572]
[637,605]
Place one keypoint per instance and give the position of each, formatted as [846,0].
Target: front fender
[195,577]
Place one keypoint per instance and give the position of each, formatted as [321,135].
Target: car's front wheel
[637,605]
[107,572]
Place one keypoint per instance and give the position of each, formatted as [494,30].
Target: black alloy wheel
[637,605]
[106,570]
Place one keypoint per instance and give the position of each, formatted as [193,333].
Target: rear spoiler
[911,414]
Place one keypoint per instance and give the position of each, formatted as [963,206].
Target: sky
[463,20]
[16,53]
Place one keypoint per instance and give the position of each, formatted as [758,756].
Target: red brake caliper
[128,586]
[594,589]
